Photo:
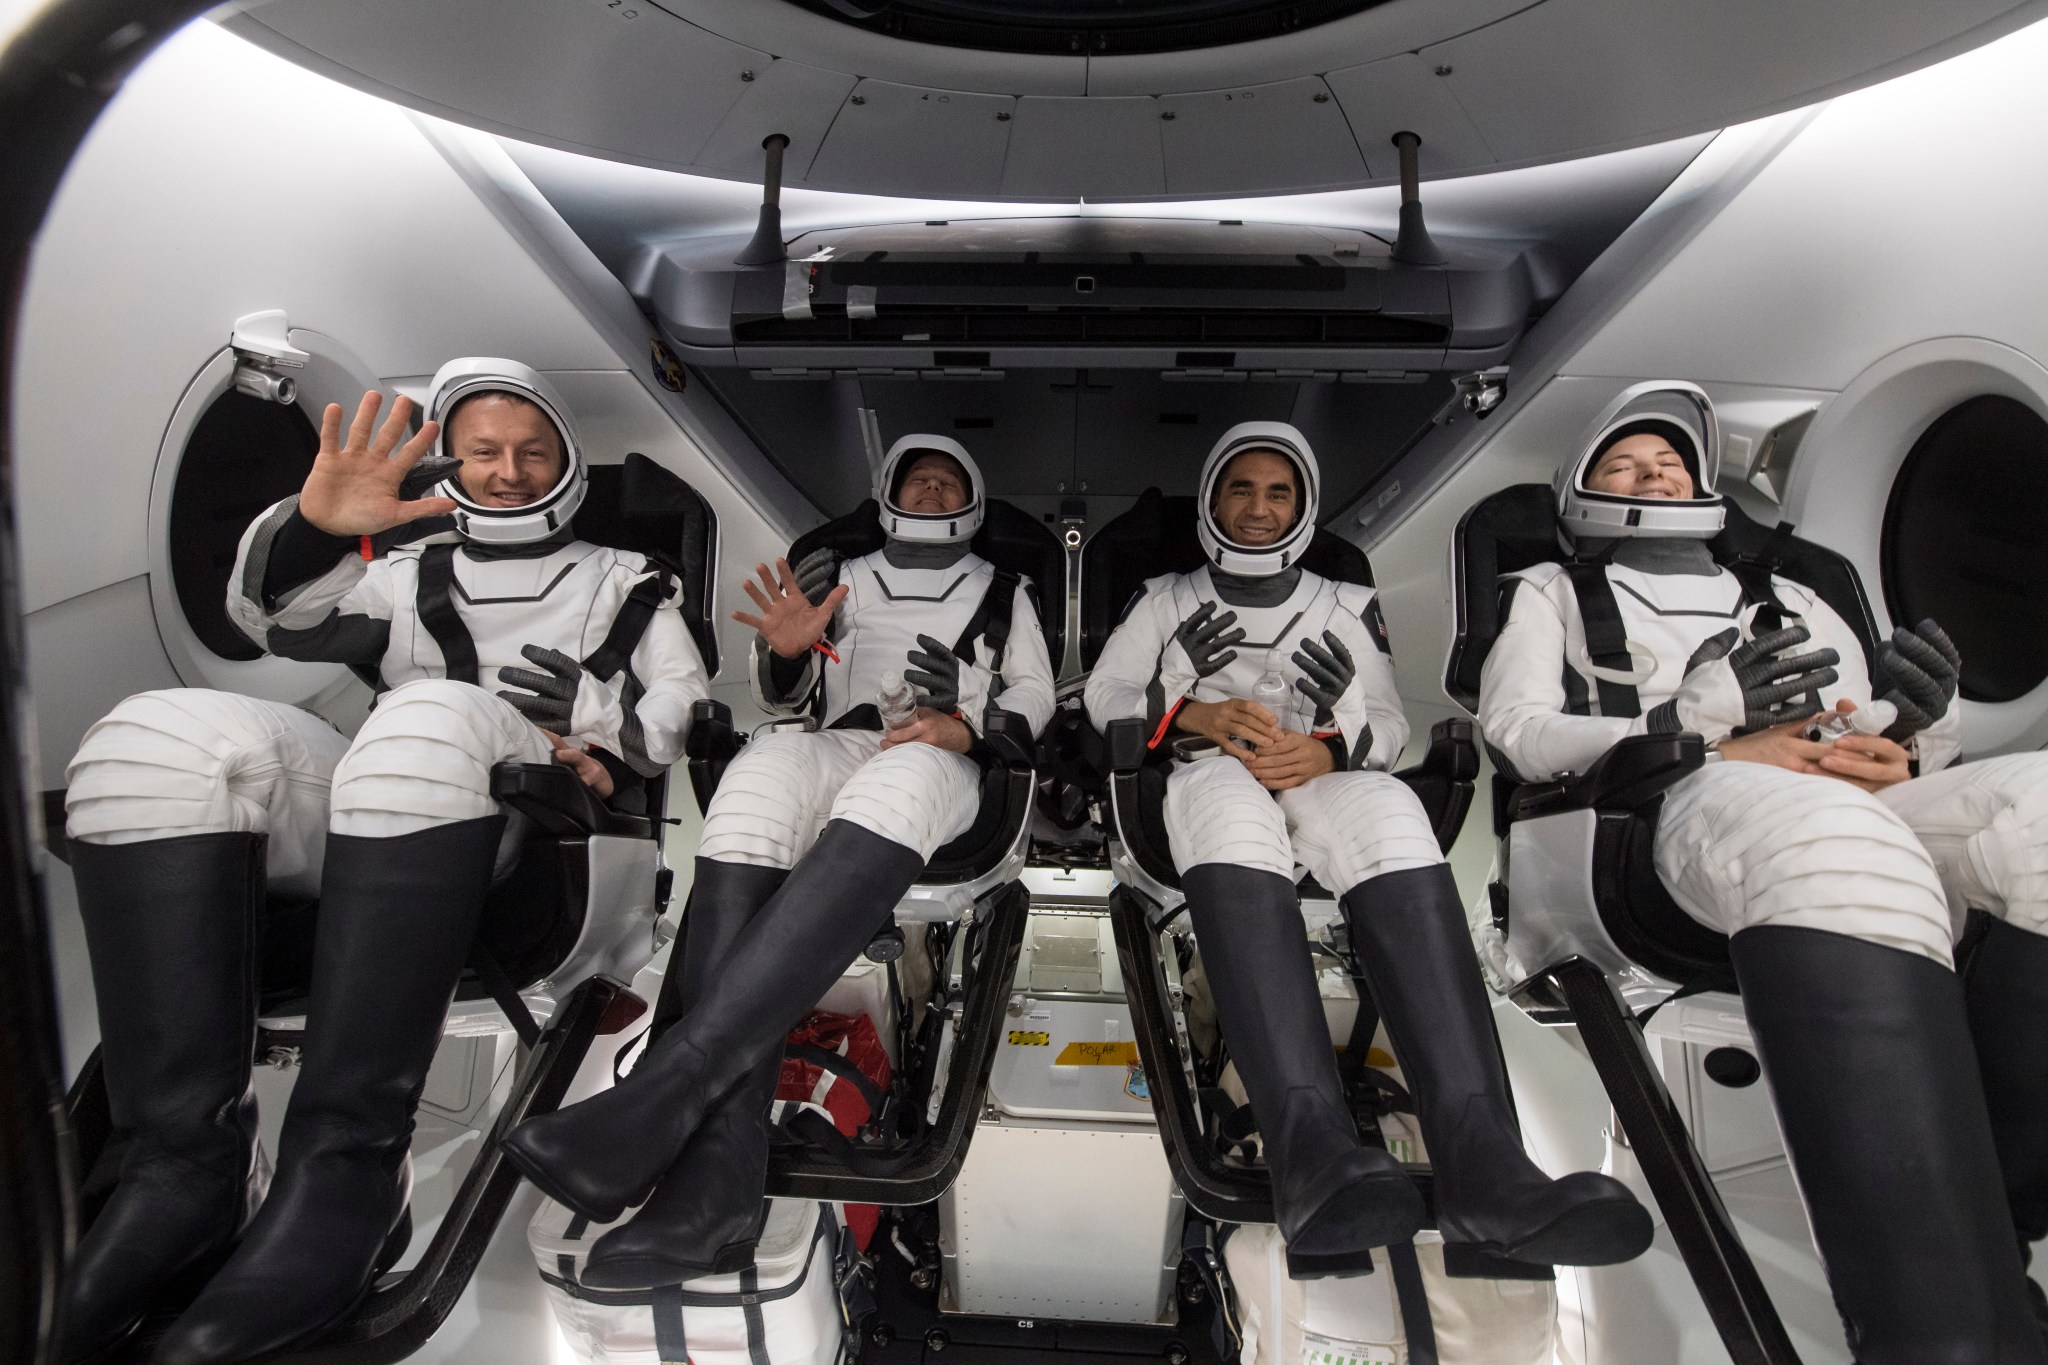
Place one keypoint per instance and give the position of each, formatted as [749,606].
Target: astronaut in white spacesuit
[1842,871]
[493,635]
[811,840]
[1282,687]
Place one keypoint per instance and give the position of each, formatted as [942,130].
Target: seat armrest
[551,796]
[1452,756]
[1126,740]
[1009,735]
[1633,772]
[711,738]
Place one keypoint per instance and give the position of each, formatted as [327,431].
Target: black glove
[421,478]
[1925,670]
[1203,635]
[935,673]
[1328,673]
[550,697]
[817,573]
[1751,688]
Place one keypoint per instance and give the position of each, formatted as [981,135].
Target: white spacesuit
[183,805]
[811,839]
[1842,904]
[1313,652]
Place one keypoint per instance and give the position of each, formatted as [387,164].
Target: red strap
[825,650]
[1165,723]
[363,547]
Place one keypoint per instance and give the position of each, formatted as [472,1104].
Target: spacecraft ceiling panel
[694,84]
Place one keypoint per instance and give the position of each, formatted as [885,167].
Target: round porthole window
[243,455]
[1963,542]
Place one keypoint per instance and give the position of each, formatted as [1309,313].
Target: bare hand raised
[788,621]
[353,489]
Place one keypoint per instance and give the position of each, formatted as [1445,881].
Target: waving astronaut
[501,639]
[1300,774]
[811,840]
[1841,875]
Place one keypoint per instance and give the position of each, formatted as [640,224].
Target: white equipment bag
[1359,1321]
[785,1310]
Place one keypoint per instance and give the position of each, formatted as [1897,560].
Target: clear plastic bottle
[1270,691]
[898,701]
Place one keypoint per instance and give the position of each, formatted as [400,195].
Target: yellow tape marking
[1097,1054]
[1021,1038]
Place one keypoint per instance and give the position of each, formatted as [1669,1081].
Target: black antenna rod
[765,248]
[1413,246]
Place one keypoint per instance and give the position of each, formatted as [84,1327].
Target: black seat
[539,924]
[974,873]
[1157,536]
[1632,920]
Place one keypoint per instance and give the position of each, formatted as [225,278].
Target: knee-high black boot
[1867,1051]
[171,926]
[397,919]
[2005,989]
[705,1216]
[1334,1198]
[604,1155]
[1409,931]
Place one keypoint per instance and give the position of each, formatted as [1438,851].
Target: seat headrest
[640,506]
[1516,529]
[1158,536]
[1010,538]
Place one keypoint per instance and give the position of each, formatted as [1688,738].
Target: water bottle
[1270,691]
[898,702]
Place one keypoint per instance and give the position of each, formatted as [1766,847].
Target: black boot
[397,919]
[171,927]
[2005,989]
[1867,1051]
[1334,1197]
[1408,929]
[604,1155]
[705,1216]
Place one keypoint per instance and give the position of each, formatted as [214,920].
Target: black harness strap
[989,623]
[1606,637]
[1754,573]
[635,614]
[438,614]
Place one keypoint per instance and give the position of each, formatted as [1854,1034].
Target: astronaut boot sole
[1377,1207]
[1604,1230]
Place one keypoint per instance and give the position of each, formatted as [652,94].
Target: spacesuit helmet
[928,528]
[544,516]
[1258,561]
[1679,413]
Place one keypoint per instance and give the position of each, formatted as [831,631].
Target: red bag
[852,1104]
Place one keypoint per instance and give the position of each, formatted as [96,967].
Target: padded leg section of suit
[705,1216]
[397,919]
[1745,844]
[775,798]
[424,758]
[171,927]
[1868,1055]
[1410,934]
[1334,1198]
[605,1155]
[188,760]
[1216,812]
[2006,993]
[1351,827]
[1986,825]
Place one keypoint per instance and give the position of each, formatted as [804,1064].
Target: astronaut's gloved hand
[549,698]
[1327,670]
[1925,669]
[817,573]
[1750,688]
[935,672]
[1207,637]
